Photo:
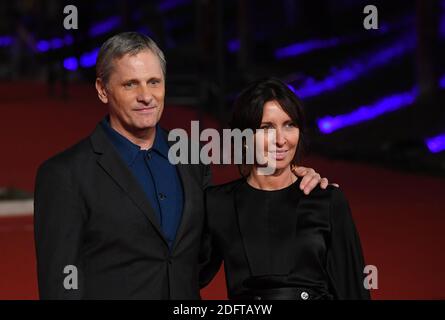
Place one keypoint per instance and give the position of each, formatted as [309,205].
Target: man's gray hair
[121,44]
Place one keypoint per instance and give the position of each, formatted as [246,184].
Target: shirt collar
[127,149]
[160,144]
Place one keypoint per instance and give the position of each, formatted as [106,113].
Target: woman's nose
[280,138]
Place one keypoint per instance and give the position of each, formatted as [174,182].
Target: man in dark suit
[114,219]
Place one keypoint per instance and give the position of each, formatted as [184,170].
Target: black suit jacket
[90,212]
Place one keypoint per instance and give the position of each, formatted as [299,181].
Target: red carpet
[400,216]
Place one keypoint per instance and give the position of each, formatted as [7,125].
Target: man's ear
[101,90]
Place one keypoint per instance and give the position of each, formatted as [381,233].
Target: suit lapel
[109,160]
[188,190]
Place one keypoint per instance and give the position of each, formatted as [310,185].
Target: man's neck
[143,138]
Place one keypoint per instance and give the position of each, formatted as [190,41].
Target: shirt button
[148,155]
[162,196]
[304,295]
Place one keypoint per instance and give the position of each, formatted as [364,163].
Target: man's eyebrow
[134,80]
[130,80]
[155,78]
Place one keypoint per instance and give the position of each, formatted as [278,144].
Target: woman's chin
[279,164]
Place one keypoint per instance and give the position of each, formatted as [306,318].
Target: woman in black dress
[275,241]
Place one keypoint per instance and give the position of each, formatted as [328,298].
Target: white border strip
[15,208]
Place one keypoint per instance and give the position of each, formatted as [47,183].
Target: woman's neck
[281,179]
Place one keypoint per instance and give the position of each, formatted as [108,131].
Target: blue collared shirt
[156,175]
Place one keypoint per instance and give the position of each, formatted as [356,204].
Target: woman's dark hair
[248,109]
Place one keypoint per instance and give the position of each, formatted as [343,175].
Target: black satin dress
[282,244]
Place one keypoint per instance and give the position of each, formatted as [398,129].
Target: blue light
[233,45]
[355,69]
[5,41]
[436,144]
[69,40]
[88,59]
[56,43]
[311,45]
[43,45]
[391,103]
[442,82]
[167,5]
[292,89]
[305,47]
[70,63]
[105,26]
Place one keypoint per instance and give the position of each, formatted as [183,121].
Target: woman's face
[283,149]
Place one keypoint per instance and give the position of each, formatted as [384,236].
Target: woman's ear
[101,90]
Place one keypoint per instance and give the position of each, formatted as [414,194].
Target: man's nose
[144,95]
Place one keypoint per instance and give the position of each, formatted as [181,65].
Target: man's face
[135,92]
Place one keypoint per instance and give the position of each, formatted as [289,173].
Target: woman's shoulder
[335,203]
[337,193]
[331,199]
[331,193]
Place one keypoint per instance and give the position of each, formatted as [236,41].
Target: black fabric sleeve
[58,225]
[345,261]
[210,259]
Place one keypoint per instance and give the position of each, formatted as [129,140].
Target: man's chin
[145,125]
